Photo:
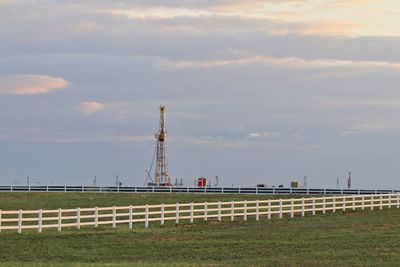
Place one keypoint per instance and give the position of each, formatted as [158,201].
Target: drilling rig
[161,175]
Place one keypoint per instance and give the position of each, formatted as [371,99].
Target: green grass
[15,201]
[362,238]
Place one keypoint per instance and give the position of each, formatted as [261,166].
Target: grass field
[362,238]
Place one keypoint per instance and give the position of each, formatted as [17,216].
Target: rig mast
[161,175]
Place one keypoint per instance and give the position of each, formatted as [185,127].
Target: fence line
[20,220]
[199,190]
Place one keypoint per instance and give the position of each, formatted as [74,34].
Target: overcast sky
[256,91]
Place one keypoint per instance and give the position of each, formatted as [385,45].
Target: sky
[256,91]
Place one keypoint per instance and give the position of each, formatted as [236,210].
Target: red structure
[202,182]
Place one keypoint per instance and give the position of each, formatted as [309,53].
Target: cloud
[29,84]
[156,12]
[335,28]
[289,62]
[91,107]
[262,134]
[5,2]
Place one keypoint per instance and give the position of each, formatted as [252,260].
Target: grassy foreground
[362,238]
[15,201]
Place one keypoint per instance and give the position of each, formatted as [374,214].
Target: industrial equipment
[295,184]
[161,175]
[202,182]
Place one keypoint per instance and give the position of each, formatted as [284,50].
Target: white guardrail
[61,218]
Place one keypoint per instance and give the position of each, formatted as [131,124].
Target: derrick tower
[161,176]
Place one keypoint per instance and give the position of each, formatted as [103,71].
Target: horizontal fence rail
[198,190]
[187,212]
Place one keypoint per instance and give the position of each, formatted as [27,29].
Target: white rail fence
[188,212]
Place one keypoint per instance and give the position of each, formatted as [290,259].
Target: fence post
[177,213]
[245,211]
[130,216]
[273,190]
[162,214]
[40,221]
[219,210]
[334,204]
[232,211]
[96,217]
[398,202]
[269,209]
[302,207]
[114,215]
[291,208]
[381,200]
[0,220]
[191,212]
[256,190]
[344,201]
[313,206]
[362,202]
[78,218]
[146,219]
[19,221]
[372,201]
[205,211]
[257,210]
[280,209]
[389,201]
[354,203]
[324,204]
[59,220]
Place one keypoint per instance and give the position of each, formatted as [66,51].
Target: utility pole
[305,182]
[349,181]
[28,182]
[216,181]
[94,180]
[337,183]
[117,180]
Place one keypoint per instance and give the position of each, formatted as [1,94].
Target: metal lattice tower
[161,176]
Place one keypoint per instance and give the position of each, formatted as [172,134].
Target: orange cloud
[91,107]
[5,2]
[337,28]
[29,84]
